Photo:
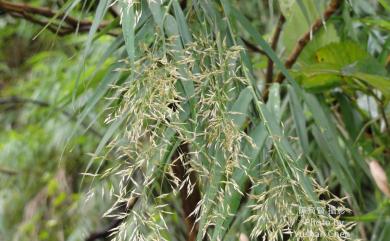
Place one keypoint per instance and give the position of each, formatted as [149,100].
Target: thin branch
[189,201]
[31,14]
[183,4]
[42,11]
[302,42]
[111,229]
[106,232]
[114,11]
[274,44]
[17,100]
[52,27]
[8,171]
[253,47]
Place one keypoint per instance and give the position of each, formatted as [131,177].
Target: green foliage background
[94,122]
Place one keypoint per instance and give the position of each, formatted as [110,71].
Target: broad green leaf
[337,63]
[379,82]
[341,54]
[385,4]
[320,82]
[322,38]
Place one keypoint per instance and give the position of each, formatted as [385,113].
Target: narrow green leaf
[240,107]
[128,28]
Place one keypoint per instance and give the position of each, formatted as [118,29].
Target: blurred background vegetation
[67,106]
[42,197]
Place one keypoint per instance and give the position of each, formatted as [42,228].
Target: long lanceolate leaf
[300,121]
[100,12]
[128,27]
[182,23]
[328,142]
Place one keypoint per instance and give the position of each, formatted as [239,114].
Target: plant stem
[274,44]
